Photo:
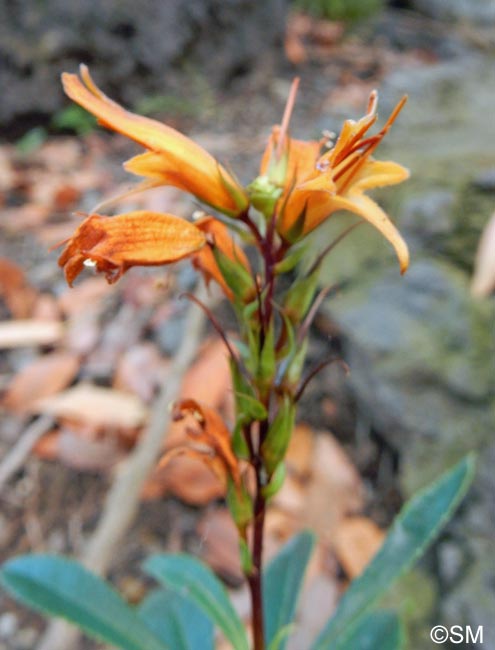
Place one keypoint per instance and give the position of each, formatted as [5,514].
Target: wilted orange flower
[204,260]
[210,441]
[171,159]
[116,243]
[316,185]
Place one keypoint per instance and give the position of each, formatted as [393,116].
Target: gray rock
[476,11]
[132,53]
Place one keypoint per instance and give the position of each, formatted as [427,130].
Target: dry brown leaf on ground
[299,457]
[187,479]
[29,332]
[355,541]
[15,290]
[96,407]
[335,488]
[80,452]
[140,370]
[483,282]
[27,216]
[8,174]
[86,295]
[46,376]
[208,380]
[220,545]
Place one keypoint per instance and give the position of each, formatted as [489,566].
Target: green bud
[240,505]
[264,194]
[277,439]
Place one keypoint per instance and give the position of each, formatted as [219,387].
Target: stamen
[287,115]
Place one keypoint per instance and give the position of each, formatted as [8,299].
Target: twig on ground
[122,501]
[16,457]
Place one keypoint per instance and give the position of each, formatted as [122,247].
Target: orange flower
[116,243]
[316,186]
[171,159]
[204,260]
[210,438]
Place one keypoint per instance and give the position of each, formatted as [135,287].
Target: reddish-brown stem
[256,577]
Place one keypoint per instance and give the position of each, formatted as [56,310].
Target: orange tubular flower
[204,260]
[171,159]
[116,243]
[317,185]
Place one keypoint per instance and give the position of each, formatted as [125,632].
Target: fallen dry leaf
[208,380]
[334,489]
[299,457]
[80,452]
[24,333]
[46,376]
[87,295]
[220,545]
[483,282]
[96,406]
[355,541]
[187,479]
[140,370]
[18,294]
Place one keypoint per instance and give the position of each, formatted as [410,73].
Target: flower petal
[190,161]
[133,239]
[378,173]
[367,209]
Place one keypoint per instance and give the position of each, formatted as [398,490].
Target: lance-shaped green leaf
[380,630]
[197,583]
[413,530]
[247,404]
[282,582]
[278,436]
[300,296]
[236,276]
[61,587]
[176,621]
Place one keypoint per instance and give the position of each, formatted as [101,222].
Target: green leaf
[189,577]
[61,587]
[176,621]
[380,630]
[413,530]
[282,581]
[267,364]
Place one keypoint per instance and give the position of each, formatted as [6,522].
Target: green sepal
[264,194]
[236,276]
[291,259]
[248,407]
[299,297]
[278,436]
[240,504]
[239,444]
[240,198]
[267,362]
[276,481]
[296,365]
[245,557]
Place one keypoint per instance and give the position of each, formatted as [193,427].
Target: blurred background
[421,392]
